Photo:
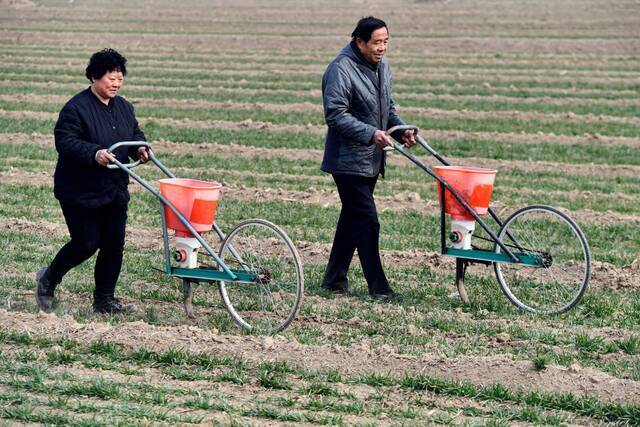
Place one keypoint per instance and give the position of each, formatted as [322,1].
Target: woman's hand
[143,154]
[104,157]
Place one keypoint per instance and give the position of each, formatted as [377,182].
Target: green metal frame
[490,257]
[210,274]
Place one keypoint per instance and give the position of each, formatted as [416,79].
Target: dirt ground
[446,28]
[362,358]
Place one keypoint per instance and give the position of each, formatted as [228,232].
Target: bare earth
[475,40]
[362,359]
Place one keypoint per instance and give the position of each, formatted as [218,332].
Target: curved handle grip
[397,128]
[127,144]
[403,127]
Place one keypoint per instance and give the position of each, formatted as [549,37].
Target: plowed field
[545,92]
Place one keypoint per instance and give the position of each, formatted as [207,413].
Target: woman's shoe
[44,290]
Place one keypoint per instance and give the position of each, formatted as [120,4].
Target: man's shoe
[336,289]
[44,290]
[385,296]
[112,306]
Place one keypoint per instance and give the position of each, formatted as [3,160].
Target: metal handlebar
[403,127]
[397,128]
[132,165]
[419,139]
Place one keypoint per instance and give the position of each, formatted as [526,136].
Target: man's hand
[381,139]
[103,157]
[409,138]
[143,154]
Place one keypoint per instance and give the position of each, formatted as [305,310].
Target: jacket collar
[372,76]
[357,56]
[90,94]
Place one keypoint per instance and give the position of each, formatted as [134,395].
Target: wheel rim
[559,243]
[270,304]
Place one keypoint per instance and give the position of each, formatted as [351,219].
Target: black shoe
[112,306]
[385,296]
[44,290]
[336,289]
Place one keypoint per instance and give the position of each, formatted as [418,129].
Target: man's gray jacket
[357,101]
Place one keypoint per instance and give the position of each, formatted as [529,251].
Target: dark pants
[358,228]
[94,229]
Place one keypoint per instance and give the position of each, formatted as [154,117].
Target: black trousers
[358,228]
[91,230]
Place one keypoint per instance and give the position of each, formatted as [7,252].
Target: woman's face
[107,86]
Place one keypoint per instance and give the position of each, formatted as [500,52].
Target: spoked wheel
[565,260]
[270,303]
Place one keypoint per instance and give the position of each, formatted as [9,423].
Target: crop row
[403,71]
[202,54]
[410,80]
[399,226]
[574,153]
[312,104]
[320,397]
[426,320]
[293,28]
[287,171]
[299,92]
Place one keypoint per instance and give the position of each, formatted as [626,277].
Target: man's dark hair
[104,61]
[366,26]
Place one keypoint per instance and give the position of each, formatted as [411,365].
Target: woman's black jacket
[86,125]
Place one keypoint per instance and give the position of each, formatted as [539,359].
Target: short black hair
[104,61]
[366,26]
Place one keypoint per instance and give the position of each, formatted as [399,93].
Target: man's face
[375,48]
[107,86]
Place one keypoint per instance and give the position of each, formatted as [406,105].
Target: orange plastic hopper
[196,200]
[474,185]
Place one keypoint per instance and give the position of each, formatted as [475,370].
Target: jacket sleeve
[394,118]
[336,95]
[68,138]
[138,135]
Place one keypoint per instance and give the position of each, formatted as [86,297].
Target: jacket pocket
[354,157]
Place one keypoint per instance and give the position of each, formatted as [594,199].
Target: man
[358,109]
[93,198]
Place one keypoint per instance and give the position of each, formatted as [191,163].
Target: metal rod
[165,240]
[233,251]
[461,268]
[433,152]
[112,148]
[443,222]
[218,231]
[162,167]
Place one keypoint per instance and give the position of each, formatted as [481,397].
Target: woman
[93,198]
